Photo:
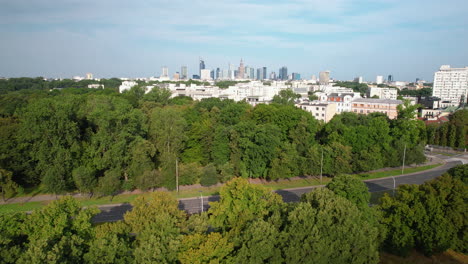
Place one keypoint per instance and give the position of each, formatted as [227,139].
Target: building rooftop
[377,101]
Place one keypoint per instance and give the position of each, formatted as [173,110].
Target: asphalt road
[111,213]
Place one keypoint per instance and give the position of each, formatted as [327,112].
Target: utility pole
[404,156]
[321,167]
[177,175]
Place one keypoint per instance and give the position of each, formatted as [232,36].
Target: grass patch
[14,208]
[396,172]
[295,183]
[446,153]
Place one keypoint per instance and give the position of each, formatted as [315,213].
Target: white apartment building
[205,74]
[450,85]
[383,93]
[319,110]
[342,100]
[379,79]
[126,85]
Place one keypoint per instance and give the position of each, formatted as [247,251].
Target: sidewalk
[432,159]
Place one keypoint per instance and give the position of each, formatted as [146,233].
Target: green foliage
[241,203]
[326,228]
[209,176]
[7,186]
[58,233]
[420,92]
[200,248]
[431,217]
[460,172]
[357,87]
[351,188]
[285,97]
[158,95]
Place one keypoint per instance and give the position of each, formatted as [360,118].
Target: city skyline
[121,39]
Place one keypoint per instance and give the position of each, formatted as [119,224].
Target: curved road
[111,213]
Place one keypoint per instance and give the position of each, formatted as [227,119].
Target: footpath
[432,159]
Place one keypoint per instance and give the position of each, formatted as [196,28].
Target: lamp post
[404,156]
[201,200]
[177,174]
[321,167]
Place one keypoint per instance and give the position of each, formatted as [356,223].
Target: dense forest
[101,141]
[250,224]
[97,140]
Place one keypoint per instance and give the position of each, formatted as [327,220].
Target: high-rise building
[165,72]
[202,65]
[218,73]
[212,74]
[273,76]
[379,79]
[231,71]
[451,85]
[296,76]
[89,76]
[252,73]
[259,74]
[176,76]
[264,73]
[390,78]
[247,73]
[283,73]
[324,77]
[358,79]
[183,73]
[241,71]
[205,74]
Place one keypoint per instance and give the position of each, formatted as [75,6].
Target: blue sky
[63,38]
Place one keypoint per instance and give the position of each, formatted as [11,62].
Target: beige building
[370,105]
[319,110]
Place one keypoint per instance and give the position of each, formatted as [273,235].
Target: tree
[209,175]
[110,183]
[309,237]
[112,244]
[85,179]
[459,172]
[201,248]
[407,110]
[286,97]
[7,185]
[167,128]
[49,128]
[157,220]
[58,233]
[158,95]
[12,237]
[350,188]
[261,242]
[241,203]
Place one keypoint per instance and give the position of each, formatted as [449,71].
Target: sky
[119,38]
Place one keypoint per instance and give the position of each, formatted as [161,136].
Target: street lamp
[177,174]
[201,199]
[321,167]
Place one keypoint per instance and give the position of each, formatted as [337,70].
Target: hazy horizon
[61,39]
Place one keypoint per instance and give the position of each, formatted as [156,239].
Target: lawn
[209,191]
[395,172]
[448,257]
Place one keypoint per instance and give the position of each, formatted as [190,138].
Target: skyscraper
[283,73]
[164,72]
[183,73]
[202,65]
[241,72]
[264,73]
[390,78]
[252,73]
[218,73]
[273,76]
[324,77]
[259,74]
[296,76]
[247,72]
